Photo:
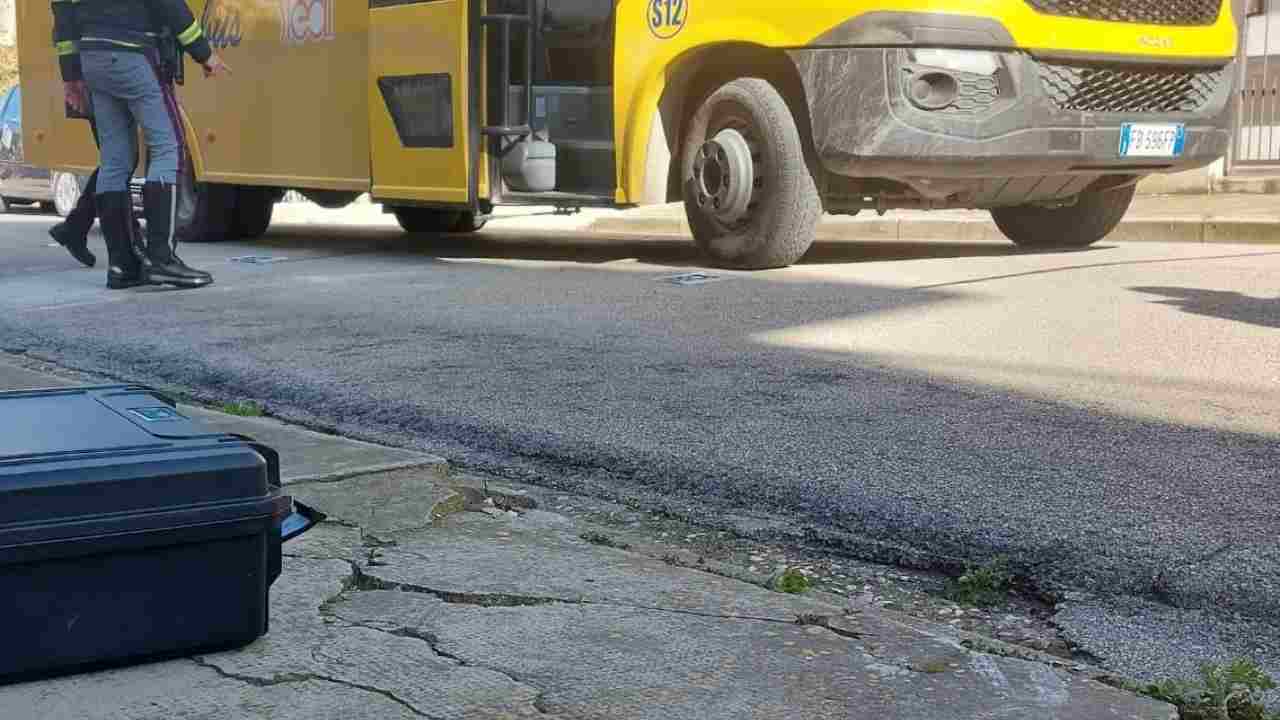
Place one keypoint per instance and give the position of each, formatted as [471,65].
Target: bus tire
[420,220]
[207,212]
[750,197]
[254,208]
[1092,218]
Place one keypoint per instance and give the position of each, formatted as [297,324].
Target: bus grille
[1151,12]
[1100,88]
[977,93]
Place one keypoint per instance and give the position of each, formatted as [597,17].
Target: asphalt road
[1106,418]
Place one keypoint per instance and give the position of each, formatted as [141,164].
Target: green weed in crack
[596,538]
[1230,691]
[981,585]
[245,408]
[790,581]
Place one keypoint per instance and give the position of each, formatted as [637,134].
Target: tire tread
[785,231]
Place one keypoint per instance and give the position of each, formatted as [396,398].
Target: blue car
[23,184]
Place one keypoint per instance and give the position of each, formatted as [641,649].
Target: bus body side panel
[652,41]
[50,139]
[294,112]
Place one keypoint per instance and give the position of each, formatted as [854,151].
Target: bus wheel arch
[698,73]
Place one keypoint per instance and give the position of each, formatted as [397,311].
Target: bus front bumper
[921,115]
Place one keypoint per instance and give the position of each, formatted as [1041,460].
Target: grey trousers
[127,93]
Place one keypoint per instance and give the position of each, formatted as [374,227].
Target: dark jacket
[122,25]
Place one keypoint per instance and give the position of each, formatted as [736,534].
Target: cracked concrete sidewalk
[429,595]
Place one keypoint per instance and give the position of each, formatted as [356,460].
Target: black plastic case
[128,532]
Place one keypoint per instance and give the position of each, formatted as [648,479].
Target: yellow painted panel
[647,50]
[428,38]
[49,139]
[293,109]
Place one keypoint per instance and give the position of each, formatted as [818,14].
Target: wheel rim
[66,193]
[728,234]
[725,176]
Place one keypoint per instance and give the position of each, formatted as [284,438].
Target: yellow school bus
[758,115]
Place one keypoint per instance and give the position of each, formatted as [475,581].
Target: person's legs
[106,74]
[156,111]
[112,117]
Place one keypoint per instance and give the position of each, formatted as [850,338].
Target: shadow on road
[1223,304]
[570,246]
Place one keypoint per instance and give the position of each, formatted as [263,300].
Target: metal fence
[1257,123]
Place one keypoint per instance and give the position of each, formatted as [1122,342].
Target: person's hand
[214,66]
[76,95]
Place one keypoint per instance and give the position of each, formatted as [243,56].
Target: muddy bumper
[925,116]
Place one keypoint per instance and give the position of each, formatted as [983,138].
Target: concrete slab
[1190,182]
[1244,231]
[539,555]
[666,666]
[384,504]
[1248,185]
[305,456]
[1186,229]
[527,597]
[306,667]
[186,690]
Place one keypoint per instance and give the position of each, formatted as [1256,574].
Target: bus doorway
[549,98]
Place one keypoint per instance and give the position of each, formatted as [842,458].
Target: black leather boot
[115,211]
[73,233]
[161,264]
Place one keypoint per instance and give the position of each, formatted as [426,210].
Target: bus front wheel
[751,200]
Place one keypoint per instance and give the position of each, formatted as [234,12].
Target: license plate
[1138,140]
